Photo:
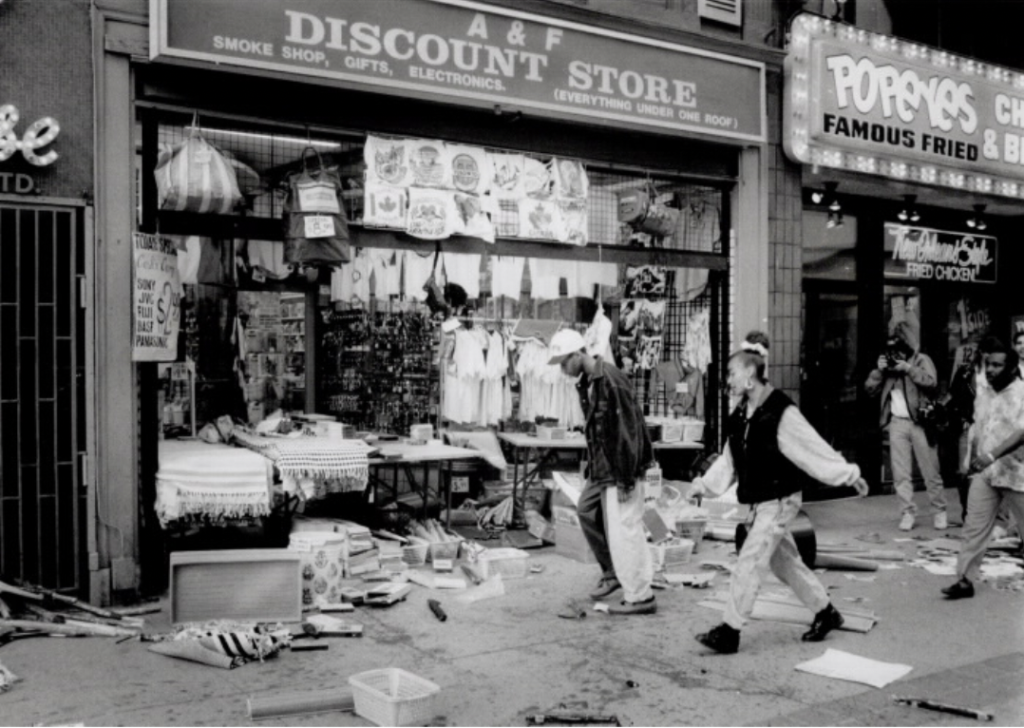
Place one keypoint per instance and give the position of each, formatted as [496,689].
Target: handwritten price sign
[40,134]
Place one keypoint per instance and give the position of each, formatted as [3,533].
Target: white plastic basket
[511,563]
[392,696]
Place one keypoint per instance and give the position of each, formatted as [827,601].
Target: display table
[314,466]
[402,455]
[527,448]
[213,481]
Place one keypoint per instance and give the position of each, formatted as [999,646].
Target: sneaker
[962,589]
[647,606]
[723,639]
[824,622]
[607,585]
[940,521]
[907,522]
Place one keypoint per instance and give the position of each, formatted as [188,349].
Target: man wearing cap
[611,507]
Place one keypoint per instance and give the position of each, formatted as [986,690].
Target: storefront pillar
[114,564]
[750,289]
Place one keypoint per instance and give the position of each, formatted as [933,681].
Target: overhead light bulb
[817,197]
[902,216]
[915,216]
[834,206]
[977,221]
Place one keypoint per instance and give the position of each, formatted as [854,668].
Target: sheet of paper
[846,666]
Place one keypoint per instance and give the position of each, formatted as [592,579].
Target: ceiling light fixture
[977,222]
[909,212]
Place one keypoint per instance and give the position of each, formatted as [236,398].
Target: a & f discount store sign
[474,54]
[871,103]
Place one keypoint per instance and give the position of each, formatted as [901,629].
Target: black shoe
[723,639]
[647,606]
[606,586]
[963,589]
[824,622]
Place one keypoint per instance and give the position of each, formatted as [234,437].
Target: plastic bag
[195,177]
[315,227]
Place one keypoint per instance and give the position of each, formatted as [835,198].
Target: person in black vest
[770,442]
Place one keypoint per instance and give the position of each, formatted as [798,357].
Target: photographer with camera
[905,378]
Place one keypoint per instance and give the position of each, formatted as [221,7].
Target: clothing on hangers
[507,275]
[417,270]
[464,269]
[544,277]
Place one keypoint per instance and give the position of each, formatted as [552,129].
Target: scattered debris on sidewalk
[943,708]
[7,678]
[854,668]
[873,537]
[306,702]
[574,609]
[566,716]
[222,644]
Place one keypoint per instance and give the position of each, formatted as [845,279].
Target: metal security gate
[43,394]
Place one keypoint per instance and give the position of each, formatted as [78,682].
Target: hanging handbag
[196,177]
[660,220]
[315,227]
[435,294]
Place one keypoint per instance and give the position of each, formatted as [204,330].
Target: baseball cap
[564,343]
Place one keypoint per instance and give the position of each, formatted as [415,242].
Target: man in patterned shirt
[997,466]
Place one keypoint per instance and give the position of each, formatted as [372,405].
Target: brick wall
[785,239]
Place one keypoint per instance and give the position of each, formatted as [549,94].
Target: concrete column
[116,410]
[750,226]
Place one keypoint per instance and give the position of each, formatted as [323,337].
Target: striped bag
[195,177]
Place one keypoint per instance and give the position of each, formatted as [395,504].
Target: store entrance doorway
[830,390]
[43,394]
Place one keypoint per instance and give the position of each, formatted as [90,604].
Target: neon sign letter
[40,134]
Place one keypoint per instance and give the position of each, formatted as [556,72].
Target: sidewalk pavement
[502,660]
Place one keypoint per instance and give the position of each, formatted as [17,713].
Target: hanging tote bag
[315,227]
[195,177]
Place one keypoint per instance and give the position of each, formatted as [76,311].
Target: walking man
[611,507]
[906,380]
[769,443]
[997,466]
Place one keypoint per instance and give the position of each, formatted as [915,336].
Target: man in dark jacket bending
[611,507]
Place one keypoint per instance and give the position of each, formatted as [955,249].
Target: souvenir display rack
[379,369]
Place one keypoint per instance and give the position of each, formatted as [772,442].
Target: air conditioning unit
[729,12]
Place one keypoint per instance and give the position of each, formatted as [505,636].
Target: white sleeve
[721,475]
[806,449]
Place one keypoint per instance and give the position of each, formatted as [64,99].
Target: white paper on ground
[853,577]
[846,666]
[888,566]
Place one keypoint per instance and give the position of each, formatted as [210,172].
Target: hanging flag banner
[925,254]
[474,54]
[156,304]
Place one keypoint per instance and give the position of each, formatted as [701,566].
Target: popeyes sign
[871,103]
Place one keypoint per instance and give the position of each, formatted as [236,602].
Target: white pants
[627,541]
[770,544]
[984,505]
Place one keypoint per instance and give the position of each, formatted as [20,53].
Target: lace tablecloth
[314,466]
